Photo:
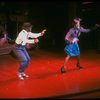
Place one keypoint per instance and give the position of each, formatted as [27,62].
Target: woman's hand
[97,25]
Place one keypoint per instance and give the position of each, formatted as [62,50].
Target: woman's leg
[65,63]
[78,62]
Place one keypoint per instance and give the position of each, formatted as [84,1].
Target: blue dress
[72,48]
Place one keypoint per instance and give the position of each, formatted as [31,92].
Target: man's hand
[36,40]
[43,32]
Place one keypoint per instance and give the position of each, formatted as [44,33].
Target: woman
[20,50]
[72,47]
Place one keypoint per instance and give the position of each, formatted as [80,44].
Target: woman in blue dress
[72,38]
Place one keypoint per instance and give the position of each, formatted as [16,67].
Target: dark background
[56,17]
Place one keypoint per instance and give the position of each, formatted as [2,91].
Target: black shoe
[63,70]
[79,66]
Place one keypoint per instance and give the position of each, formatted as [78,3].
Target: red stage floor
[46,80]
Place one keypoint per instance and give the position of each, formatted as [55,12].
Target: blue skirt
[72,49]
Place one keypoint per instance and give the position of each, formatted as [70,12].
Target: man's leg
[24,61]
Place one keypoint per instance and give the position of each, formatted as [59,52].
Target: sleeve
[34,35]
[68,35]
[26,40]
[85,30]
[22,38]
[89,30]
[29,41]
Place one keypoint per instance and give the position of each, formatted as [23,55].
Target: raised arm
[36,35]
[89,30]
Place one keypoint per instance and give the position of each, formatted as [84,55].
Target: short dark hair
[26,25]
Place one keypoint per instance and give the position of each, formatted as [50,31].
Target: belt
[18,45]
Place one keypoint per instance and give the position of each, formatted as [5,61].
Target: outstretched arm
[36,35]
[43,32]
[89,30]
[95,27]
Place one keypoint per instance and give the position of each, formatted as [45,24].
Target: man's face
[29,29]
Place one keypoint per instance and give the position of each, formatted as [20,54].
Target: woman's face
[77,24]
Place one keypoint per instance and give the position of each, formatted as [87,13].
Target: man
[20,50]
